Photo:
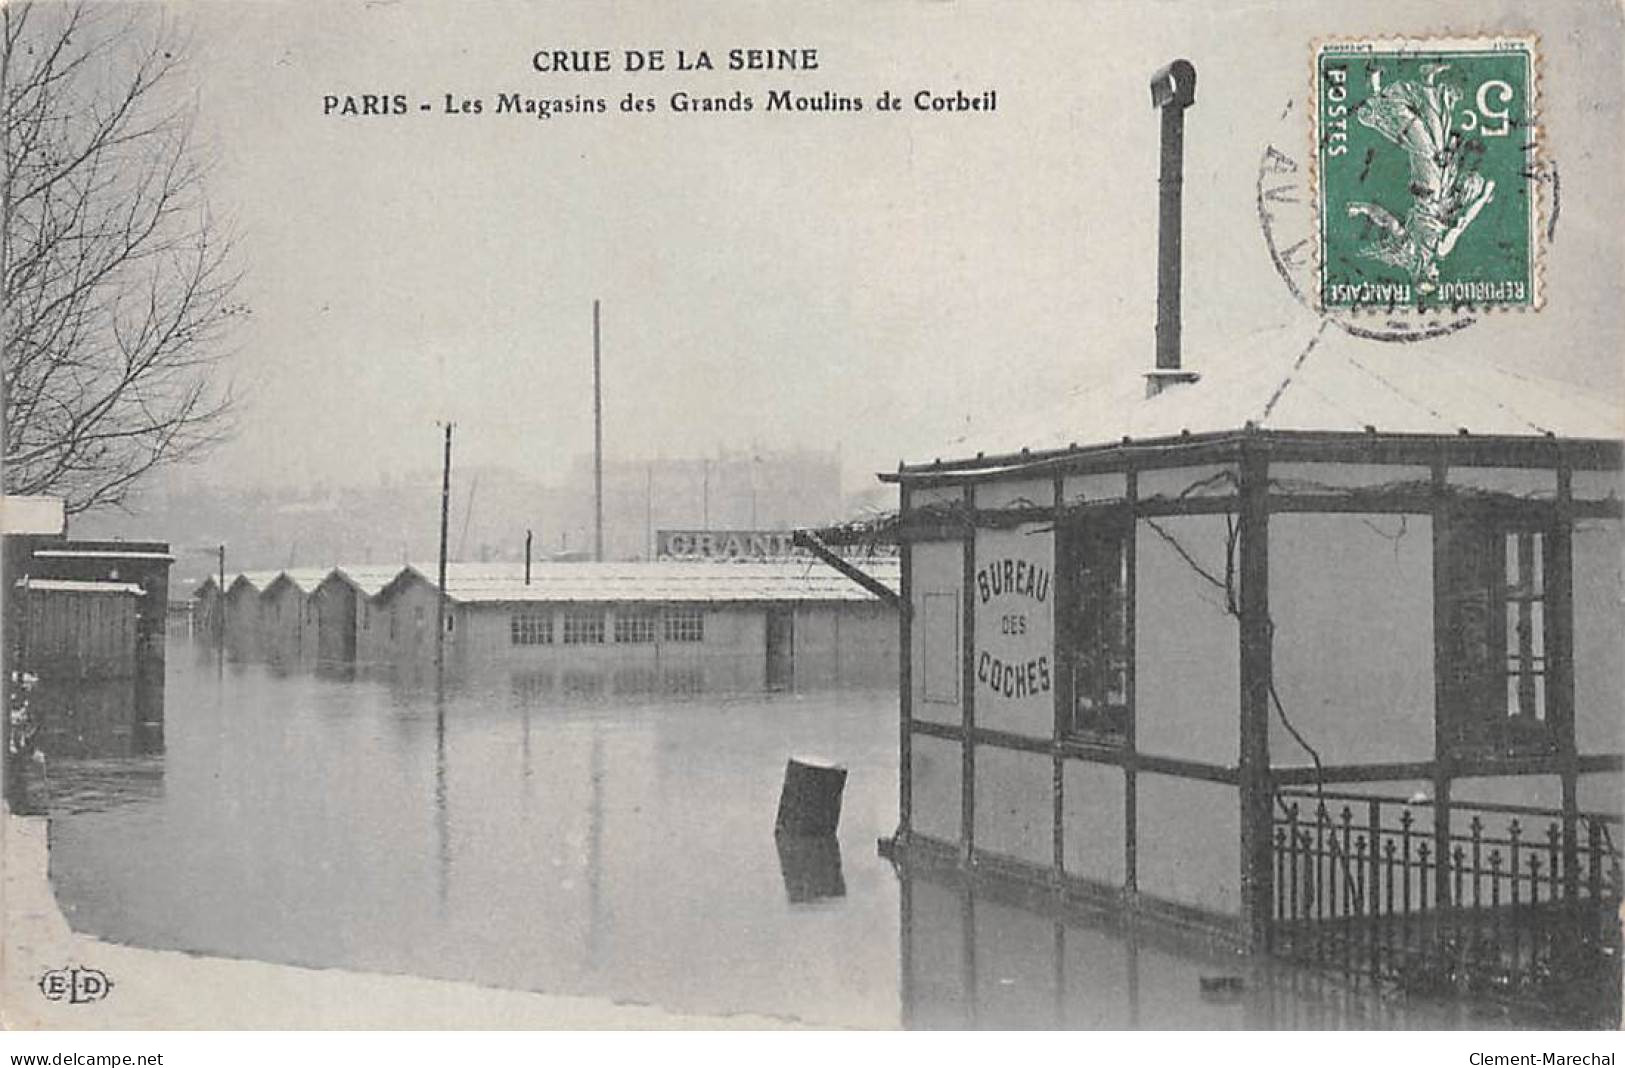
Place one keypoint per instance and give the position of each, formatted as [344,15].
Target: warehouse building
[627,627]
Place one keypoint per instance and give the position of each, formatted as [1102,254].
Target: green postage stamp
[1427,186]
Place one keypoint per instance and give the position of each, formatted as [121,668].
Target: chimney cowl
[1174,85]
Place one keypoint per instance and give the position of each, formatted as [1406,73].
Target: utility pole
[527,557]
[597,442]
[649,514]
[220,646]
[445,510]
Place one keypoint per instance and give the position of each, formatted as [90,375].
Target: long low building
[587,627]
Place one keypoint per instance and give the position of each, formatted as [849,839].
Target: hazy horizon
[869,283]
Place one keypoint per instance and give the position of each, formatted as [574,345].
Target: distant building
[628,628]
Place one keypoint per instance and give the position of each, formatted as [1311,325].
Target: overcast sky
[787,280]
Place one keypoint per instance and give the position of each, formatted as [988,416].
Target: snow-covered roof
[257,579]
[1311,378]
[80,586]
[103,554]
[689,581]
[799,579]
[367,578]
[305,579]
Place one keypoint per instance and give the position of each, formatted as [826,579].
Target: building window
[685,625]
[1094,645]
[530,628]
[1497,632]
[634,627]
[583,627]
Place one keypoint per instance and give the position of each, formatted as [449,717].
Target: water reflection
[91,718]
[977,956]
[811,867]
[534,836]
[565,838]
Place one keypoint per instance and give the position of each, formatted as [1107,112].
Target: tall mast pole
[597,442]
[445,510]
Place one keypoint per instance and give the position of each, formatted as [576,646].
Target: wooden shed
[79,628]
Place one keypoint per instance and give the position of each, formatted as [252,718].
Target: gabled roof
[367,578]
[254,580]
[1312,379]
[305,580]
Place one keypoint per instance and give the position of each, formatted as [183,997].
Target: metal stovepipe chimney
[1173,89]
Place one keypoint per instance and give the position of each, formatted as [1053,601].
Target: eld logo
[76,986]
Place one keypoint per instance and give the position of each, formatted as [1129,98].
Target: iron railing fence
[1478,897]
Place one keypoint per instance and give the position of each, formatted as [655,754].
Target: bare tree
[118,281]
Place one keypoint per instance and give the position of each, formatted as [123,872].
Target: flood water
[517,836]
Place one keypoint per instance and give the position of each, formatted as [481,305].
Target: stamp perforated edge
[1536,170]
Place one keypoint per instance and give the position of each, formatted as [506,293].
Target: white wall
[1014,804]
[1189,842]
[1092,821]
[1186,645]
[1352,601]
[1599,636]
[934,787]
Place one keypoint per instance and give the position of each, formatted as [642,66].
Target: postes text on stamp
[1426,177]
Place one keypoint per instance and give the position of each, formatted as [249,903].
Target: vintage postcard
[1076,515]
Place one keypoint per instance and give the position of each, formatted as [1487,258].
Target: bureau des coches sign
[1014,619]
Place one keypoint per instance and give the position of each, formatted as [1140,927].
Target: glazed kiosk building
[1316,653]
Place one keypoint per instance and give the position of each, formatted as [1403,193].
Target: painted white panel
[1092,822]
[1015,805]
[1207,480]
[31,515]
[937,571]
[934,788]
[1541,791]
[1080,489]
[1595,485]
[1602,792]
[1186,643]
[1518,481]
[1022,493]
[1189,845]
[1014,597]
[1351,597]
[939,618]
[1599,636]
[1317,478]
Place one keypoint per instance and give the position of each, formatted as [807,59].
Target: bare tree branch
[117,284]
